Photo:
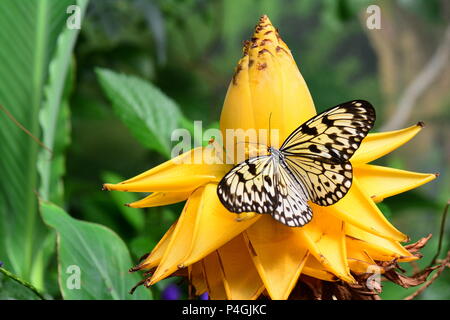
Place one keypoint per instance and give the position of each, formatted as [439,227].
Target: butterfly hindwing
[292,207]
[326,183]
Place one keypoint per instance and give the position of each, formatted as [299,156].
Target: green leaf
[101,257]
[28,34]
[149,113]
[54,115]
[54,118]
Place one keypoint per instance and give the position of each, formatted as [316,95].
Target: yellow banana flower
[233,259]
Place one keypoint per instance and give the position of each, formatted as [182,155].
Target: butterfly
[312,164]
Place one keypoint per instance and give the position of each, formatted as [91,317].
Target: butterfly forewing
[261,185]
[249,186]
[333,135]
[318,152]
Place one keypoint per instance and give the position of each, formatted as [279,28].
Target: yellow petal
[279,254]
[160,199]
[325,238]
[376,246]
[214,277]
[315,269]
[184,173]
[175,249]
[376,145]
[356,208]
[197,278]
[204,226]
[382,182]
[267,84]
[242,281]
[360,261]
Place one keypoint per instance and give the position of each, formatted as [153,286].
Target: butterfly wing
[326,183]
[263,185]
[318,151]
[333,135]
[292,207]
[249,186]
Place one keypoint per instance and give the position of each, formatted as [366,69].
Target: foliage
[101,256]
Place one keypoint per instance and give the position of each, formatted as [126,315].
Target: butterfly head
[275,152]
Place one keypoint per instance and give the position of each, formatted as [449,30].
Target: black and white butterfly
[311,165]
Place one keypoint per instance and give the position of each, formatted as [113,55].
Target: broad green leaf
[96,254]
[149,113]
[54,115]
[28,35]
[54,118]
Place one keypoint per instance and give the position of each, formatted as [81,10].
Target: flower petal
[360,261]
[214,277]
[241,278]
[376,145]
[184,173]
[376,246]
[325,238]
[315,269]
[197,278]
[196,233]
[160,199]
[357,208]
[382,182]
[267,84]
[176,250]
[279,254]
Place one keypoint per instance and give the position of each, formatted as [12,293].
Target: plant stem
[441,234]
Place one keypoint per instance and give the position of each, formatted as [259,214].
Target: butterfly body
[311,165]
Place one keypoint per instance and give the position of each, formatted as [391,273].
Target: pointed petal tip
[151,281]
[410,258]
[264,18]
[421,124]
[148,283]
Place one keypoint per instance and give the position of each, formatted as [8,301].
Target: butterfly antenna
[270,132]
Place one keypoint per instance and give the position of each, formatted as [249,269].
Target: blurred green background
[188,49]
